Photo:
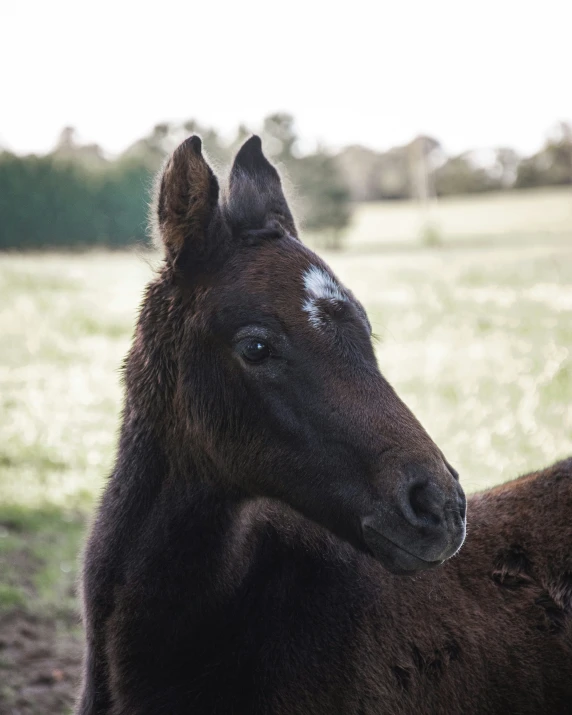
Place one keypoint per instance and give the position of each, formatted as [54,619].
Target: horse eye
[255,351]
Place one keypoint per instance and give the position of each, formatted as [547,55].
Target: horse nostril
[425,504]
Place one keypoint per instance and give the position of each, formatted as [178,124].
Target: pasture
[475,334]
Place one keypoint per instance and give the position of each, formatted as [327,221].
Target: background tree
[322,199]
[506,166]
[279,136]
[552,165]
[76,196]
[460,175]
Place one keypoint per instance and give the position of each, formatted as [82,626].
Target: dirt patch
[40,633]
[40,664]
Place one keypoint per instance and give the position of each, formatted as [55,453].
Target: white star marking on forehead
[319,286]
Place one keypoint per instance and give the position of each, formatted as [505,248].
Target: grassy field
[525,216]
[475,334]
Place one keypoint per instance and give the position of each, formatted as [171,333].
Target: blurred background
[427,149]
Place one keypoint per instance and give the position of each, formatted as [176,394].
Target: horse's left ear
[256,196]
[187,201]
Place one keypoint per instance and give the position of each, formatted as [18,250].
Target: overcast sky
[471,73]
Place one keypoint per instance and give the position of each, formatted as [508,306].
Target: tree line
[75,196]
[378,176]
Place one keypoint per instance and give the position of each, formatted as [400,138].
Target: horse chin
[394,558]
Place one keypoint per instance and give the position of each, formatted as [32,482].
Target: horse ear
[187,200]
[255,186]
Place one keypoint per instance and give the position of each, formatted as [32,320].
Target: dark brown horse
[268,481]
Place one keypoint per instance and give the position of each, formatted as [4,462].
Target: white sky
[471,73]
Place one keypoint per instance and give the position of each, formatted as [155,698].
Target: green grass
[518,217]
[38,558]
[475,333]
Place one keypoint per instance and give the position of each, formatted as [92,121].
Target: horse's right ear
[187,201]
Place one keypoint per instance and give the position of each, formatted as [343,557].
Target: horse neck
[179,504]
